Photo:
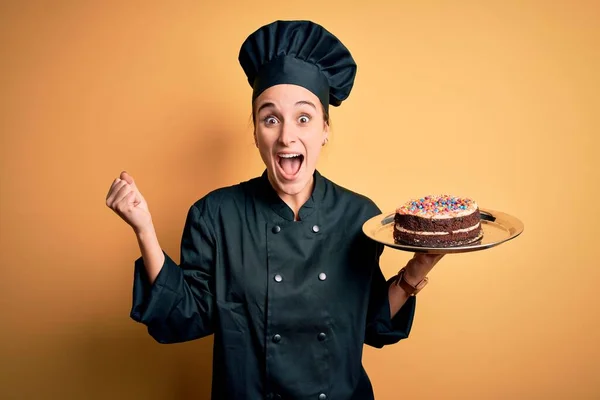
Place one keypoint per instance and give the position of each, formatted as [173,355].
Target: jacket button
[276,338]
[278,278]
[315,228]
[321,336]
[276,229]
[322,396]
[322,276]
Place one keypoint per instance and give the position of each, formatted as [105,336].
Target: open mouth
[290,163]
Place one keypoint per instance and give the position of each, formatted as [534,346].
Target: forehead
[287,96]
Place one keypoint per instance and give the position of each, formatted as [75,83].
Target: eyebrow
[299,103]
[264,105]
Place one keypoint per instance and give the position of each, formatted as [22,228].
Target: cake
[438,221]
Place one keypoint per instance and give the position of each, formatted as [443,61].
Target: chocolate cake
[438,221]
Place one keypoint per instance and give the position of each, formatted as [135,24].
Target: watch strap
[407,287]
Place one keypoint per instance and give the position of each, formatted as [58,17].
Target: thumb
[128,178]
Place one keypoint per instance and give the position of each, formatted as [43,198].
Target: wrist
[144,232]
[413,277]
[411,285]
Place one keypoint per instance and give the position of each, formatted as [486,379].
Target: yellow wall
[495,100]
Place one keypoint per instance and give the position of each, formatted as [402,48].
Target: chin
[291,188]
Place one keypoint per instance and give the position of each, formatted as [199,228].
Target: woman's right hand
[125,199]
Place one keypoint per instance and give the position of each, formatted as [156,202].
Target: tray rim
[513,225]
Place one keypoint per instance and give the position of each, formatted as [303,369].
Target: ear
[326,133]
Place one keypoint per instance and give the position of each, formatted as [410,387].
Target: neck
[296,201]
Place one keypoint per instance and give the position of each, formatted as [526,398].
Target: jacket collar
[282,209]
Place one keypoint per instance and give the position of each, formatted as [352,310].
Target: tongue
[291,166]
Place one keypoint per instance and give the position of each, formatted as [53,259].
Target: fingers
[122,193]
[125,201]
[435,258]
[117,180]
[426,258]
[123,197]
[114,191]
[123,179]
[430,256]
[128,178]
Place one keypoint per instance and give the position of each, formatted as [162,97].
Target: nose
[288,134]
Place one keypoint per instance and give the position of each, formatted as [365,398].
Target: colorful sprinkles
[436,204]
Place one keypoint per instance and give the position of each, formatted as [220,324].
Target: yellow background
[494,100]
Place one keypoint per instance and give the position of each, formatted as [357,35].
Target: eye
[270,120]
[304,119]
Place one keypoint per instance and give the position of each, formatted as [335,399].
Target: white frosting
[452,214]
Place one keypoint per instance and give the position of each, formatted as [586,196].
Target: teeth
[289,155]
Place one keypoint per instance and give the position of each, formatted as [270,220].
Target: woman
[277,267]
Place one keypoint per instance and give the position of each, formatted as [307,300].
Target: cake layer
[438,240]
[433,224]
[450,232]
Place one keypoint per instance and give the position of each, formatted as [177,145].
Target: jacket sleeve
[179,305]
[381,328]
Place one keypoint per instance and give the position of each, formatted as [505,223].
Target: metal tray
[498,227]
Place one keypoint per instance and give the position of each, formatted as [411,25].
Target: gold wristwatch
[407,287]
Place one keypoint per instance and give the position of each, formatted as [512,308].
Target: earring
[325,141]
